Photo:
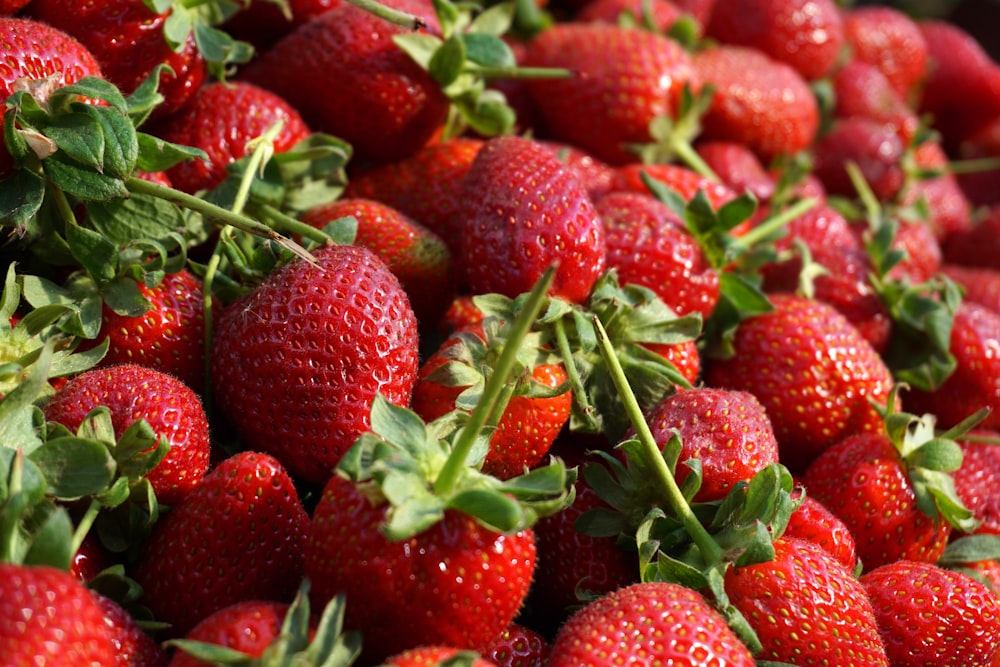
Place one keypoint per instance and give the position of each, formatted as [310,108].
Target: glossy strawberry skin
[134,392]
[48,617]
[981,285]
[431,656]
[661,622]
[891,40]
[975,481]
[249,626]
[237,536]
[345,54]
[525,209]
[297,362]
[928,615]
[813,372]
[518,646]
[455,584]
[861,479]
[806,607]
[642,71]
[221,119]
[133,646]
[813,522]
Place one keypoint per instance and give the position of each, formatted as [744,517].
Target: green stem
[974,166]
[389,14]
[573,374]
[290,225]
[525,72]
[452,468]
[777,221]
[263,148]
[63,206]
[84,524]
[690,157]
[663,477]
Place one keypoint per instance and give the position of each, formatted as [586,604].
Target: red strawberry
[415,591]
[758,101]
[981,285]
[861,89]
[727,431]
[432,656]
[874,146]
[127,39]
[685,181]
[979,245]
[658,622]
[981,186]
[11,7]
[976,480]
[237,536]
[347,53]
[648,244]
[813,372]
[807,608]
[48,617]
[297,362]
[518,646]
[738,167]
[928,615]
[249,627]
[806,34]
[642,71]
[813,522]
[524,210]
[90,559]
[133,646]
[663,13]
[936,189]
[889,39]
[596,175]
[263,23]
[220,120]
[133,392]
[417,256]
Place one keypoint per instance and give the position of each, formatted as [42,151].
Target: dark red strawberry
[806,34]
[518,646]
[683,180]
[237,536]
[262,23]
[889,38]
[975,481]
[525,210]
[134,647]
[738,167]
[297,362]
[47,617]
[249,627]
[432,656]
[133,392]
[661,14]
[875,147]
[928,615]
[981,185]
[598,177]
[936,193]
[11,7]
[979,245]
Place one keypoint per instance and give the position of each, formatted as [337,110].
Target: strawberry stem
[493,389]
[663,477]
[777,221]
[391,15]
[573,375]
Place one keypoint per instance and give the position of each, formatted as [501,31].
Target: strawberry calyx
[196,19]
[424,469]
[297,642]
[672,136]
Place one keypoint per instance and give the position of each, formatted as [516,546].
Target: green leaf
[74,467]
[937,454]
[82,182]
[21,196]
[495,20]
[121,147]
[80,137]
[491,508]
[448,61]
[971,549]
[145,98]
[123,296]
[51,540]
[488,51]
[96,254]
[412,517]
[155,154]
[421,47]
[89,86]
[398,425]
[138,217]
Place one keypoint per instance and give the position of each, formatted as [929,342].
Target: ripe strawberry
[263,23]
[34,50]
[237,536]
[415,591]
[596,175]
[978,245]
[981,285]
[663,13]
[642,71]
[684,180]
[127,39]
[417,256]
[133,392]
[738,167]
[658,622]
[347,53]
[889,39]
[874,146]
[518,646]
[937,191]
[648,244]
[11,7]
[90,558]
[727,431]
[806,34]
[757,100]
[813,372]
[525,210]
[169,337]
[807,608]
[48,617]
[928,615]
[221,119]
[861,89]
[975,383]
[133,646]
[431,656]
[975,481]
[297,362]
[813,522]
[249,627]
[981,186]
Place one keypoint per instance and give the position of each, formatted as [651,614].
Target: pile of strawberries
[412,332]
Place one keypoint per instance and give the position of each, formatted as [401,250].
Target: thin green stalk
[84,524]
[494,387]
[290,225]
[389,14]
[263,149]
[573,375]
[663,477]
[777,221]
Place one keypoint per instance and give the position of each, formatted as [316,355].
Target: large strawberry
[525,210]
[237,536]
[297,362]
[891,40]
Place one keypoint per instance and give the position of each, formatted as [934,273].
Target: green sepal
[94,87]
[140,217]
[21,197]
[95,253]
[49,544]
[155,154]
[80,137]
[121,146]
[971,549]
[141,103]
[77,180]
[74,467]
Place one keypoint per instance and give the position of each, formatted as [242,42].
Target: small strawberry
[518,646]
[813,522]
[874,146]
[975,481]
[133,646]
[861,89]
[236,536]
[738,167]
[657,621]
[888,38]
[433,656]
[297,361]
[928,615]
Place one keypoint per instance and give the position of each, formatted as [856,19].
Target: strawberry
[648,244]
[981,285]
[928,615]
[806,34]
[236,536]
[133,392]
[657,621]
[417,256]
[348,53]
[861,89]
[978,245]
[874,146]
[891,40]
[813,522]
[220,119]
[524,210]
[738,167]
[728,432]
[975,480]
[684,180]
[431,656]
[48,617]
[981,185]
[757,101]
[90,559]
[645,72]
[828,375]
[936,193]
[661,14]
[596,175]
[128,40]
[11,7]
[249,627]
[133,646]
[297,361]
[262,23]
[806,607]
[518,646]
